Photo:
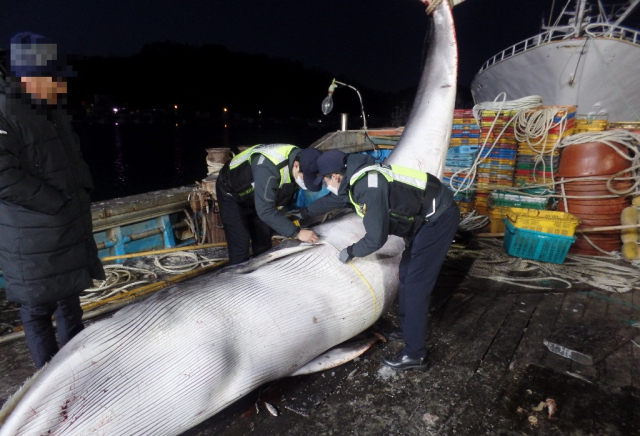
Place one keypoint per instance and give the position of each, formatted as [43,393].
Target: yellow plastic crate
[486,113]
[496,220]
[546,221]
[587,125]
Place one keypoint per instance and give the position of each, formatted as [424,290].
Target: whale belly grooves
[167,363]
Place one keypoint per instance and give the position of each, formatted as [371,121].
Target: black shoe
[394,335]
[401,362]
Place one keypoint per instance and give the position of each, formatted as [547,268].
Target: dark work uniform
[330,201]
[248,222]
[426,250]
[47,251]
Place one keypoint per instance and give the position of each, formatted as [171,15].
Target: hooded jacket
[47,250]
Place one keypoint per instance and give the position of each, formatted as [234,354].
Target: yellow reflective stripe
[408,176]
[248,191]
[276,153]
[241,157]
[356,205]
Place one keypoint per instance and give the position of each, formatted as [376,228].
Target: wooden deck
[488,371]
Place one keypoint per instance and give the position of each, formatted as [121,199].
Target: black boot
[401,362]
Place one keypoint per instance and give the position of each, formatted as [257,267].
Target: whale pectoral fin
[277,253]
[339,354]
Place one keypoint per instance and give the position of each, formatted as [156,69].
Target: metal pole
[344,118]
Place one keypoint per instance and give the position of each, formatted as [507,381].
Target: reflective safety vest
[407,188]
[239,178]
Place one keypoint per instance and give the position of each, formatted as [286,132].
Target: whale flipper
[340,354]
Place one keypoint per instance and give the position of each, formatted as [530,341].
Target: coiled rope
[472,221]
[118,279]
[614,139]
[213,167]
[493,263]
[196,261]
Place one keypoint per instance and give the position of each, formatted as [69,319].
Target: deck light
[327,103]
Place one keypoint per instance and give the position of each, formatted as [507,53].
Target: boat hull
[599,75]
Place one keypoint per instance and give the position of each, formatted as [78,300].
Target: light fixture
[327,103]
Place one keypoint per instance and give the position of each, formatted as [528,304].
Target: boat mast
[580,8]
[632,5]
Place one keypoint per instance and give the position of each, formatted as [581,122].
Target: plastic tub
[529,244]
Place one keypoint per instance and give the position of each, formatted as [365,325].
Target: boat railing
[559,33]
[599,30]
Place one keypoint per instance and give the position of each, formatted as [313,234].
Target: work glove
[345,255]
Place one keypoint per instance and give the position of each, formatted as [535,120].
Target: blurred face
[332,182]
[44,88]
[297,175]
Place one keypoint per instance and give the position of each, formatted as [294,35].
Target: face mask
[332,189]
[300,183]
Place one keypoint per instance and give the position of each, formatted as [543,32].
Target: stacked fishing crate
[539,235]
[463,149]
[501,201]
[497,164]
[538,158]
[585,123]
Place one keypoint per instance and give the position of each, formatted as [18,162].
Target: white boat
[585,59]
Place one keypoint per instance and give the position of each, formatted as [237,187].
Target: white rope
[472,221]
[118,278]
[493,263]
[197,261]
[615,139]
[213,167]
[521,105]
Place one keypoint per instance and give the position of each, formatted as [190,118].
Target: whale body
[165,364]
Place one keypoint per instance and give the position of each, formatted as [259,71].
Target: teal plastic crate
[529,244]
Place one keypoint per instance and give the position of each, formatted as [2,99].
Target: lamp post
[327,103]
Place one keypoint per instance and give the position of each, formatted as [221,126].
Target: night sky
[379,43]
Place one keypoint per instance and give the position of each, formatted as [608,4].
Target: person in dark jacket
[337,197]
[252,191]
[47,251]
[399,201]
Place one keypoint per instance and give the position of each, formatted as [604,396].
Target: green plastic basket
[529,244]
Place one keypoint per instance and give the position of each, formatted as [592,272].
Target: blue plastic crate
[463,149]
[465,135]
[529,244]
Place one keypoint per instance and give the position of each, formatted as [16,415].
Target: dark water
[130,159]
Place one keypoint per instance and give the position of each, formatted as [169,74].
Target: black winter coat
[47,250]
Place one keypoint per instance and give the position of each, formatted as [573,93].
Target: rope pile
[493,263]
[196,261]
[472,221]
[213,167]
[119,278]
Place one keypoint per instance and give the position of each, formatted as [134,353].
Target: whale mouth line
[271,256]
